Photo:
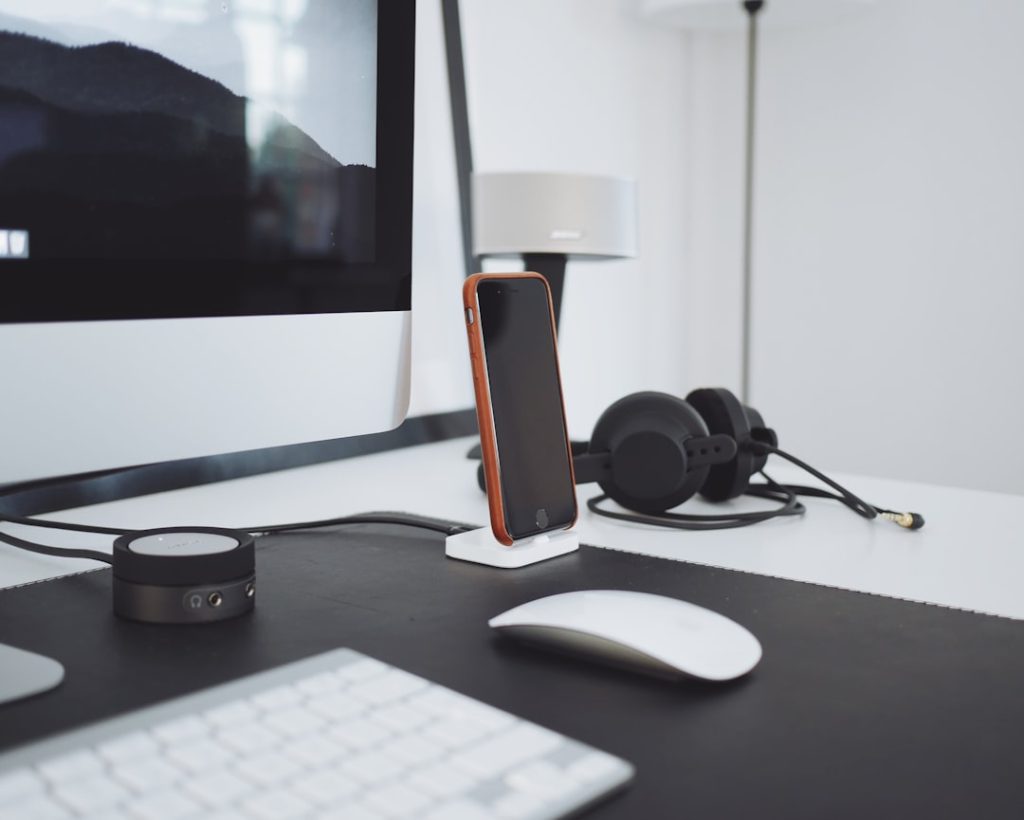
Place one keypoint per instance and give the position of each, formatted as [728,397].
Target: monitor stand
[23,674]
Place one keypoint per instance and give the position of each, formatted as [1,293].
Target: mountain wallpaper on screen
[113,151]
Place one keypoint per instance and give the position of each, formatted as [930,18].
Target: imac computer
[205,227]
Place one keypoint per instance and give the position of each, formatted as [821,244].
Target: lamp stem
[752,7]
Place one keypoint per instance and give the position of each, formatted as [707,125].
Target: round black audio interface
[184,575]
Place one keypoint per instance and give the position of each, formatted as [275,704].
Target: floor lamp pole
[752,7]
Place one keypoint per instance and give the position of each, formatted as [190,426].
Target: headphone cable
[772,490]
[907,520]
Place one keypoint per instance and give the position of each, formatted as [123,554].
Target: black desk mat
[862,707]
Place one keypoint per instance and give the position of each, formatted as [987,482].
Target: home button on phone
[542,518]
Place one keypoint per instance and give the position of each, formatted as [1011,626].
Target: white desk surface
[970,554]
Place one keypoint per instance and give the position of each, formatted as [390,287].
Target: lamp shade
[728,14]
[582,216]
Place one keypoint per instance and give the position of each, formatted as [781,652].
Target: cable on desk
[400,519]
[60,525]
[771,490]
[392,518]
[907,520]
[60,552]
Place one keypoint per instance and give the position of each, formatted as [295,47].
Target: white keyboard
[339,735]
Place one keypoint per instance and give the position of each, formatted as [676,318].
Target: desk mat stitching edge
[621,551]
[53,578]
[815,584]
[904,599]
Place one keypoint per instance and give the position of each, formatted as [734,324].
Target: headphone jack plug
[909,521]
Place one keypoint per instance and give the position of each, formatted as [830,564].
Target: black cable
[60,552]
[771,490]
[855,503]
[907,520]
[59,525]
[399,519]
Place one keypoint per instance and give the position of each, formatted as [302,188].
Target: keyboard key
[542,779]
[71,766]
[350,811]
[19,783]
[176,731]
[248,739]
[293,722]
[594,766]
[335,706]
[516,805]
[199,755]
[442,780]
[443,703]
[231,714]
[362,669]
[400,718]
[495,755]
[397,800]
[436,702]
[267,769]
[389,686]
[313,750]
[34,807]
[277,698]
[412,750]
[453,733]
[90,795]
[360,733]
[218,789]
[325,787]
[277,805]
[319,684]
[162,805]
[128,747]
[460,810]
[146,774]
[371,767]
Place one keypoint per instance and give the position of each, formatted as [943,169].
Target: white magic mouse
[650,633]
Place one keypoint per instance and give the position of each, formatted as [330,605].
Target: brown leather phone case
[484,414]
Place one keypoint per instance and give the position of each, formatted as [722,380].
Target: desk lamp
[548,219]
[722,15]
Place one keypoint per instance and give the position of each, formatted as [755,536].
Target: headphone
[650,452]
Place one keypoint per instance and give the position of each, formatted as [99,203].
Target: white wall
[890,202]
[572,85]
[889,259]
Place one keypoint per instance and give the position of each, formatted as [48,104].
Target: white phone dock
[481,547]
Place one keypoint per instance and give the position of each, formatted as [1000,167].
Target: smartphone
[519,407]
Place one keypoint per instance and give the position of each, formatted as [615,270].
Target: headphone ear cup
[723,413]
[645,434]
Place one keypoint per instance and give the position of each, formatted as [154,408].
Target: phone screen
[526,403]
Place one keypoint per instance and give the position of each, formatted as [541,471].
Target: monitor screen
[189,158]
[205,227]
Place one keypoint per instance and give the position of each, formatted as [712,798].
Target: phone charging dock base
[481,547]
